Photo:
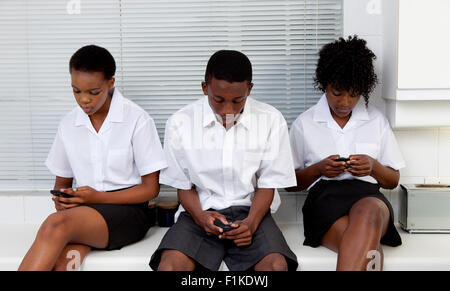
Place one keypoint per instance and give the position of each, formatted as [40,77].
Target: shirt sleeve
[390,154]
[174,175]
[57,160]
[277,167]
[148,153]
[297,146]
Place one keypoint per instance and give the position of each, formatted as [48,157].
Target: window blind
[161,49]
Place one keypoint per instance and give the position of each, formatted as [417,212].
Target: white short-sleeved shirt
[226,167]
[315,135]
[126,147]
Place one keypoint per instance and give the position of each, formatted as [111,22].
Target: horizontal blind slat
[161,49]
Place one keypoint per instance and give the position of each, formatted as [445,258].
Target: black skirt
[329,200]
[127,223]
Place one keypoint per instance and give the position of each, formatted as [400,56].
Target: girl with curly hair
[344,151]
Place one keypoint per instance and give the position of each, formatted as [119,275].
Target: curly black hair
[92,58]
[347,64]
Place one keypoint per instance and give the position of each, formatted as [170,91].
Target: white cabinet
[416,66]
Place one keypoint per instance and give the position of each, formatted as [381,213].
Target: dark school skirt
[329,200]
[127,223]
[209,251]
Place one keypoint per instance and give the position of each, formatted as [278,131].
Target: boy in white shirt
[344,150]
[110,146]
[227,153]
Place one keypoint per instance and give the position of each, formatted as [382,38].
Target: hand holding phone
[342,160]
[60,194]
[224,227]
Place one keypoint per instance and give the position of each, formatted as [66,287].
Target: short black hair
[229,65]
[347,64]
[92,58]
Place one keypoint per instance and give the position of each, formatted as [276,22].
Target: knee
[171,261]
[54,227]
[276,263]
[370,214]
[279,265]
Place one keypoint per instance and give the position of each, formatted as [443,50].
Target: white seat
[418,252]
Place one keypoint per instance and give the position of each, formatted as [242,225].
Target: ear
[249,90]
[111,83]
[205,88]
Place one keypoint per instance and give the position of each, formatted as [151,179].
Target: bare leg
[173,260]
[71,256]
[272,262]
[79,225]
[355,235]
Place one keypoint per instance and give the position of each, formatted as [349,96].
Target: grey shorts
[209,251]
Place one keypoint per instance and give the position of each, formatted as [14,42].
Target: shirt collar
[322,112]
[115,113]
[209,116]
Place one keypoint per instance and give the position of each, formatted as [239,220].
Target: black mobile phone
[60,194]
[225,227]
[342,160]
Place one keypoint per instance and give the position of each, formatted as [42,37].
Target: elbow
[153,191]
[156,191]
[393,185]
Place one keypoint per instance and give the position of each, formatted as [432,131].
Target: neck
[341,121]
[103,111]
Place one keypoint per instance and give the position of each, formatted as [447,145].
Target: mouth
[343,111]
[87,110]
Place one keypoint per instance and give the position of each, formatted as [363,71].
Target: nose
[227,109]
[85,99]
[345,100]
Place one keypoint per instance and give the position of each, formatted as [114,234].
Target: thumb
[221,218]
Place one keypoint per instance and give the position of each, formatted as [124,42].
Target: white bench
[418,252]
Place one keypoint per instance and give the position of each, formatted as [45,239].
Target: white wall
[426,150]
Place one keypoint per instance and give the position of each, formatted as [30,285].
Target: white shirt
[126,147]
[226,167]
[315,135]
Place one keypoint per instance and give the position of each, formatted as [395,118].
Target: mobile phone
[60,194]
[342,160]
[224,227]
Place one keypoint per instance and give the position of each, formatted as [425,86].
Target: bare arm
[260,206]
[205,219]
[327,167]
[363,165]
[243,235]
[63,183]
[147,190]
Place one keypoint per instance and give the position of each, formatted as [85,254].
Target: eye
[238,100]
[218,100]
[95,92]
[76,91]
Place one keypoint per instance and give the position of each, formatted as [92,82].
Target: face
[226,99]
[91,90]
[341,102]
